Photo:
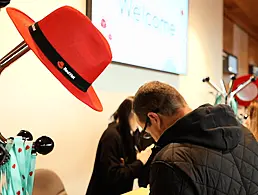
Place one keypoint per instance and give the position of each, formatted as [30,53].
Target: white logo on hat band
[68,73]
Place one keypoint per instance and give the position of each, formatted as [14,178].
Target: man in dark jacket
[199,152]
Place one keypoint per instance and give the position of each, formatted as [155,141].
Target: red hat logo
[60,64]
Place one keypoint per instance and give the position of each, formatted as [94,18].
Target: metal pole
[8,59]
[2,138]
[13,55]
[223,87]
[231,84]
[213,85]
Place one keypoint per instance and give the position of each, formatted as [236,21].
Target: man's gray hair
[158,97]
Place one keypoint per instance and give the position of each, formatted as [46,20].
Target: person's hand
[144,155]
[122,161]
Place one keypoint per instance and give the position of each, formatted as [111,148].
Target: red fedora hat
[71,48]
[248,94]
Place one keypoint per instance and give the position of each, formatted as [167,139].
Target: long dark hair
[121,116]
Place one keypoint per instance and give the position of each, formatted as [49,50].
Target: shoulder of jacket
[111,133]
[173,152]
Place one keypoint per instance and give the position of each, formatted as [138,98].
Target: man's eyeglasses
[146,135]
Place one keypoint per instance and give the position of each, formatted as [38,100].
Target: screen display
[232,64]
[146,33]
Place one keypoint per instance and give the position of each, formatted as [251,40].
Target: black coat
[207,152]
[110,176]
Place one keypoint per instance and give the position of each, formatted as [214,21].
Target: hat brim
[22,23]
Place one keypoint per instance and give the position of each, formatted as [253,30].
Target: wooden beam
[239,17]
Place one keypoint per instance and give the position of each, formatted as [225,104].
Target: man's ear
[153,117]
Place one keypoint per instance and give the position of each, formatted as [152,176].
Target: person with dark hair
[117,163]
[205,151]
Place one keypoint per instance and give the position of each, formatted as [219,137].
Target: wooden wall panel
[237,42]
[244,14]
[241,31]
[228,28]
[240,49]
[252,51]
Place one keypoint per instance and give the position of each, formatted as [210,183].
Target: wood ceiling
[244,13]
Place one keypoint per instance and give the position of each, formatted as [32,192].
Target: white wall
[204,50]
[31,98]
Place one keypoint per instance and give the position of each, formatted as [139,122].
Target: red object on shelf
[249,93]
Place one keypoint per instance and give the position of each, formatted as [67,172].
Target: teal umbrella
[233,103]
[18,165]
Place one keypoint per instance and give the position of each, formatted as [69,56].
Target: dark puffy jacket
[205,152]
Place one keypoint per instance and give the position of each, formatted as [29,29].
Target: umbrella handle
[4,3]
[43,145]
